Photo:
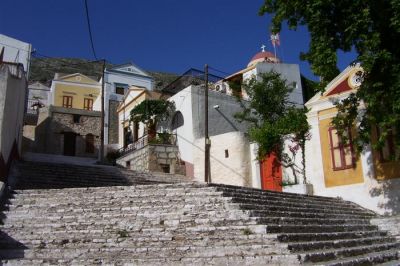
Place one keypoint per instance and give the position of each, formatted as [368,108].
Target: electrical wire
[90,30]
[220,71]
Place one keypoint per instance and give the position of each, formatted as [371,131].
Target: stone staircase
[72,215]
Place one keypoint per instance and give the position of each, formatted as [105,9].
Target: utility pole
[102,114]
[207,177]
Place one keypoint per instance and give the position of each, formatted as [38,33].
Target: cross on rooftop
[263,48]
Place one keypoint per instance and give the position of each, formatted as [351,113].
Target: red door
[271,173]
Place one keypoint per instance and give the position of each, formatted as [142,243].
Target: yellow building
[133,97]
[76,91]
[336,169]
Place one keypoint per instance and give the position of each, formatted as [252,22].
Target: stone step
[316,245]
[283,202]
[160,229]
[301,237]
[136,195]
[388,257]
[310,221]
[259,192]
[316,215]
[100,190]
[118,216]
[231,260]
[258,207]
[137,223]
[163,208]
[283,197]
[335,254]
[143,252]
[318,228]
[131,200]
[137,242]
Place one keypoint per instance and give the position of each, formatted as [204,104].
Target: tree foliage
[273,118]
[150,111]
[370,27]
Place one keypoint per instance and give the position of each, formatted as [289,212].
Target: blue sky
[160,35]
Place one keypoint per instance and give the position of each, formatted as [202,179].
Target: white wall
[185,134]
[16,51]
[255,166]
[12,105]
[234,170]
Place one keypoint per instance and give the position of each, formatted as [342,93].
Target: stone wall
[48,135]
[154,158]
[113,122]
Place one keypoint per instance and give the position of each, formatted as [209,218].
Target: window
[90,143]
[120,88]
[388,151]
[77,118]
[67,101]
[88,104]
[342,153]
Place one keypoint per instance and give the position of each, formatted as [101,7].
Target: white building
[118,80]
[233,157]
[16,51]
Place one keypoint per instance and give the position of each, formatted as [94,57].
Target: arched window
[177,120]
[90,143]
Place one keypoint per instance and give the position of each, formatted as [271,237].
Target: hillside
[43,69]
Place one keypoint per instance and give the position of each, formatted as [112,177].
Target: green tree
[370,27]
[151,112]
[273,118]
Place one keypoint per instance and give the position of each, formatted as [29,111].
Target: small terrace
[152,153]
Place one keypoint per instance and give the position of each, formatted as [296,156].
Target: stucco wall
[234,169]
[382,197]
[12,104]
[183,103]
[16,51]
[290,72]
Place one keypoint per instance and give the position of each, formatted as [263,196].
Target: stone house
[71,123]
[370,178]
[68,131]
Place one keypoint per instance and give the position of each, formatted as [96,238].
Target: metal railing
[158,139]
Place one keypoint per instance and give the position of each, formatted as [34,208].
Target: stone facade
[50,135]
[154,158]
[113,122]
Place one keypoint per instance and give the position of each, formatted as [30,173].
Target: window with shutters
[67,101]
[341,152]
[88,104]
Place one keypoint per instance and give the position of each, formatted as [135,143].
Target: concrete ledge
[305,189]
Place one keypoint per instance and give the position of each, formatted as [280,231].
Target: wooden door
[271,173]
[69,143]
